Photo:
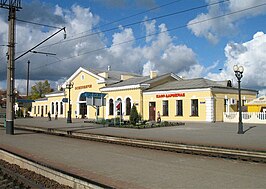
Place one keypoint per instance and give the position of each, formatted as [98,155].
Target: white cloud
[58,11]
[213,29]
[159,54]
[118,48]
[194,71]
[252,56]
[150,29]
[148,67]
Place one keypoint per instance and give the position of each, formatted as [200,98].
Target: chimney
[125,77]
[153,74]
[104,74]
[59,87]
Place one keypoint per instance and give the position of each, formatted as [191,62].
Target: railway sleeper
[194,150]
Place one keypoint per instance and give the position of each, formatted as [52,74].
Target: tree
[134,116]
[40,89]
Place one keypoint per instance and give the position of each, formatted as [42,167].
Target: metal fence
[247,117]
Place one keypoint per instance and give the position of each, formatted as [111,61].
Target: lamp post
[239,74]
[69,86]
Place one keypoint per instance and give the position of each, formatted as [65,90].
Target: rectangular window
[38,109]
[194,107]
[179,107]
[165,107]
[226,101]
[34,109]
[243,102]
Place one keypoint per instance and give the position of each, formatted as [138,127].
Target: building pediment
[98,78]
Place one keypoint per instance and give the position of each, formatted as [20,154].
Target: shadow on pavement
[251,127]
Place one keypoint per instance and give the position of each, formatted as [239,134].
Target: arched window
[128,106]
[52,108]
[82,97]
[61,108]
[56,108]
[111,107]
[119,106]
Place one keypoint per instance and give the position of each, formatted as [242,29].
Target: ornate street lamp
[239,74]
[69,86]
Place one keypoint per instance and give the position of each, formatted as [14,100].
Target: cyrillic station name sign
[170,95]
[83,87]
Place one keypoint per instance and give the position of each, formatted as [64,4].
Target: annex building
[108,94]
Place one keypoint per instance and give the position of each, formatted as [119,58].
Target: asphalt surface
[209,134]
[130,167]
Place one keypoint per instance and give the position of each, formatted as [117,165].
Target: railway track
[180,148]
[13,177]
[20,172]
[10,180]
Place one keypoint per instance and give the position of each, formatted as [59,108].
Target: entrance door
[83,110]
[152,111]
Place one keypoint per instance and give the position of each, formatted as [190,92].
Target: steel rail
[11,179]
[245,155]
[58,175]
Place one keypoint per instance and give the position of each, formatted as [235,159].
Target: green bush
[101,121]
[165,124]
[134,116]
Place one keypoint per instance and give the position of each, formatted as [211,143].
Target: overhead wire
[109,23]
[138,22]
[153,34]
[38,24]
[130,16]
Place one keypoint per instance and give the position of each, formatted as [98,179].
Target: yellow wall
[58,100]
[204,96]
[200,95]
[219,102]
[84,82]
[48,104]
[37,105]
[134,94]
[254,108]
[210,101]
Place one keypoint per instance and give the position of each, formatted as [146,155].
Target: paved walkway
[209,134]
[126,167]
[133,168]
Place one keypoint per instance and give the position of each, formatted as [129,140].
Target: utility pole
[13,6]
[10,73]
[28,77]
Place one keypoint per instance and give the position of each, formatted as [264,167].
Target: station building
[257,105]
[108,94]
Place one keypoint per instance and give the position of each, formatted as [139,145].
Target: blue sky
[208,49]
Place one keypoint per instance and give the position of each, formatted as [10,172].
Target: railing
[247,117]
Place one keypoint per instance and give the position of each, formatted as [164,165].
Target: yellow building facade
[108,94]
[257,105]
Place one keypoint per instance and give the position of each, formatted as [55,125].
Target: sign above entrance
[170,95]
[94,99]
[83,87]
[65,100]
